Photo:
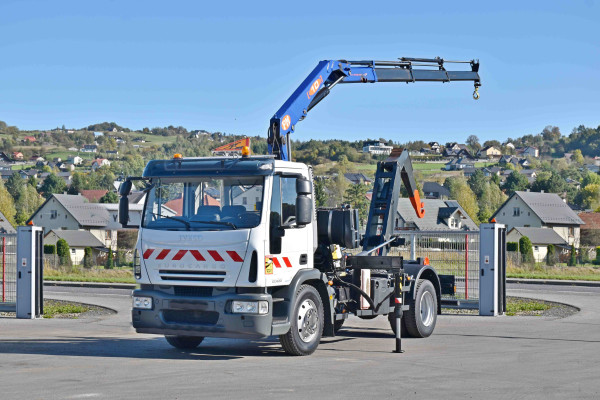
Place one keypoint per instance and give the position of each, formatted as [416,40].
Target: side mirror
[303,186]
[125,188]
[303,210]
[124,209]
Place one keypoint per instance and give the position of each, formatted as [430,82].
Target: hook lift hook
[476,93]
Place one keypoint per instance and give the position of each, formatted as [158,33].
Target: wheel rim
[427,311]
[308,321]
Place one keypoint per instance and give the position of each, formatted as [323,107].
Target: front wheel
[306,323]
[420,319]
[184,342]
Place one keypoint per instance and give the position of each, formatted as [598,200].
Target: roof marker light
[177,156]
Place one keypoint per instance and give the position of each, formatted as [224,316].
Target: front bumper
[207,316]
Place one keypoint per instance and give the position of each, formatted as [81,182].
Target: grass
[77,274]
[517,306]
[582,273]
[54,308]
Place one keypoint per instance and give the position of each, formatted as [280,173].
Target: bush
[49,249]
[64,253]
[110,261]
[526,249]
[120,261]
[512,246]
[597,262]
[87,258]
[572,257]
[551,256]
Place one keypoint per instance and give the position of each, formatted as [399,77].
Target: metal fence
[450,253]
[8,269]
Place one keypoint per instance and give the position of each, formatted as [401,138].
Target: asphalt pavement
[466,357]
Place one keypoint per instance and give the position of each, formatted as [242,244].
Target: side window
[288,199]
[275,217]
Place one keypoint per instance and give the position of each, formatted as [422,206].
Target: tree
[515,181]
[551,256]
[549,182]
[473,142]
[87,258]
[63,251]
[590,179]
[356,196]
[526,249]
[477,182]
[7,204]
[110,262]
[494,143]
[461,192]
[577,157]
[590,196]
[27,202]
[572,257]
[14,183]
[52,184]
[490,200]
[109,197]
[551,133]
[320,195]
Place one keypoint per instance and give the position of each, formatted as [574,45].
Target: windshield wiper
[175,218]
[216,223]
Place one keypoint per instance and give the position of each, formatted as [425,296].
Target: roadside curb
[556,282]
[91,284]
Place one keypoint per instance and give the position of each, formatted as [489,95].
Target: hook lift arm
[329,73]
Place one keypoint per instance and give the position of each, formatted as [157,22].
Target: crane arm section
[329,73]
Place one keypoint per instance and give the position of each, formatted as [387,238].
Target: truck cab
[219,236]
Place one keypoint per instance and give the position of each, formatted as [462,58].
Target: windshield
[206,203]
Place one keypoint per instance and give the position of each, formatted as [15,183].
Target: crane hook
[476,93]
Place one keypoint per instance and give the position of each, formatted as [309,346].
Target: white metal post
[27,296]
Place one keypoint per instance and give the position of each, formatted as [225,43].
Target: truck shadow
[155,348]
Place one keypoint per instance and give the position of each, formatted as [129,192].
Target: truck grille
[190,317]
[193,275]
[193,291]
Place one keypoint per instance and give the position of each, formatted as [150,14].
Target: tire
[421,318]
[184,342]
[307,323]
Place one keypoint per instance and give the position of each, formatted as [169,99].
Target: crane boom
[329,73]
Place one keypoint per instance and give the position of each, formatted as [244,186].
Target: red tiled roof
[591,219]
[93,196]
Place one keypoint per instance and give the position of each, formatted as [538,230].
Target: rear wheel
[307,323]
[421,318]
[184,342]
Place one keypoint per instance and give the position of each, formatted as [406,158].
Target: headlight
[142,302]
[137,266]
[250,307]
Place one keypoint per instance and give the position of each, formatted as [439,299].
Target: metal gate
[8,271]
[450,253]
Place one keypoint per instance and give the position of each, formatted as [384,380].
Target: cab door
[290,246]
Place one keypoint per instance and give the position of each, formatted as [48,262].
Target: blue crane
[329,73]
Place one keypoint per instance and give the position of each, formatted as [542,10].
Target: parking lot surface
[466,357]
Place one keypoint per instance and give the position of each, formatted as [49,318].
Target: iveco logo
[190,237]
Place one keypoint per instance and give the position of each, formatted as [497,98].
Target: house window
[72,251]
[107,235]
[536,248]
[516,212]
[53,214]
[244,200]
[571,231]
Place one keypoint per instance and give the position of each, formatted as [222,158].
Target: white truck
[234,247]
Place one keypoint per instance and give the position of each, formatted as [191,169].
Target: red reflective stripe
[163,254]
[234,256]
[148,253]
[215,255]
[179,255]
[276,262]
[197,255]
[398,300]
[287,262]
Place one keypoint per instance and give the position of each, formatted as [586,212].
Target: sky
[228,66]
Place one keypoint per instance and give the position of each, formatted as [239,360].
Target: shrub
[551,256]
[597,256]
[526,249]
[121,258]
[63,251]
[572,257]
[512,246]
[87,258]
[49,249]
[110,261]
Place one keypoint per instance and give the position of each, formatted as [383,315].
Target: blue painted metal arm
[329,73]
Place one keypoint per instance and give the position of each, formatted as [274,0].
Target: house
[540,238]
[93,196]
[433,190]
[98,134]
[435,147]
[75,160]
[17,155]
[528,151]
[139,140]
[540,210]
[440,215]
[119,140]
[29,139]
[489,152]
[78,240]
[508,145]
[73,212]
[458,164]
[460,153]
[66,176]
[112,154]
[376,147]
[89,148]
[99,163]
[490,171]
[5,226]
[530,174]
[590,232]
[469,171]
[573,183]
[357,178]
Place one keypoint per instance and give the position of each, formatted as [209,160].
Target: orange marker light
[426,261]
[245,151]
[177,156]
[493,221]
